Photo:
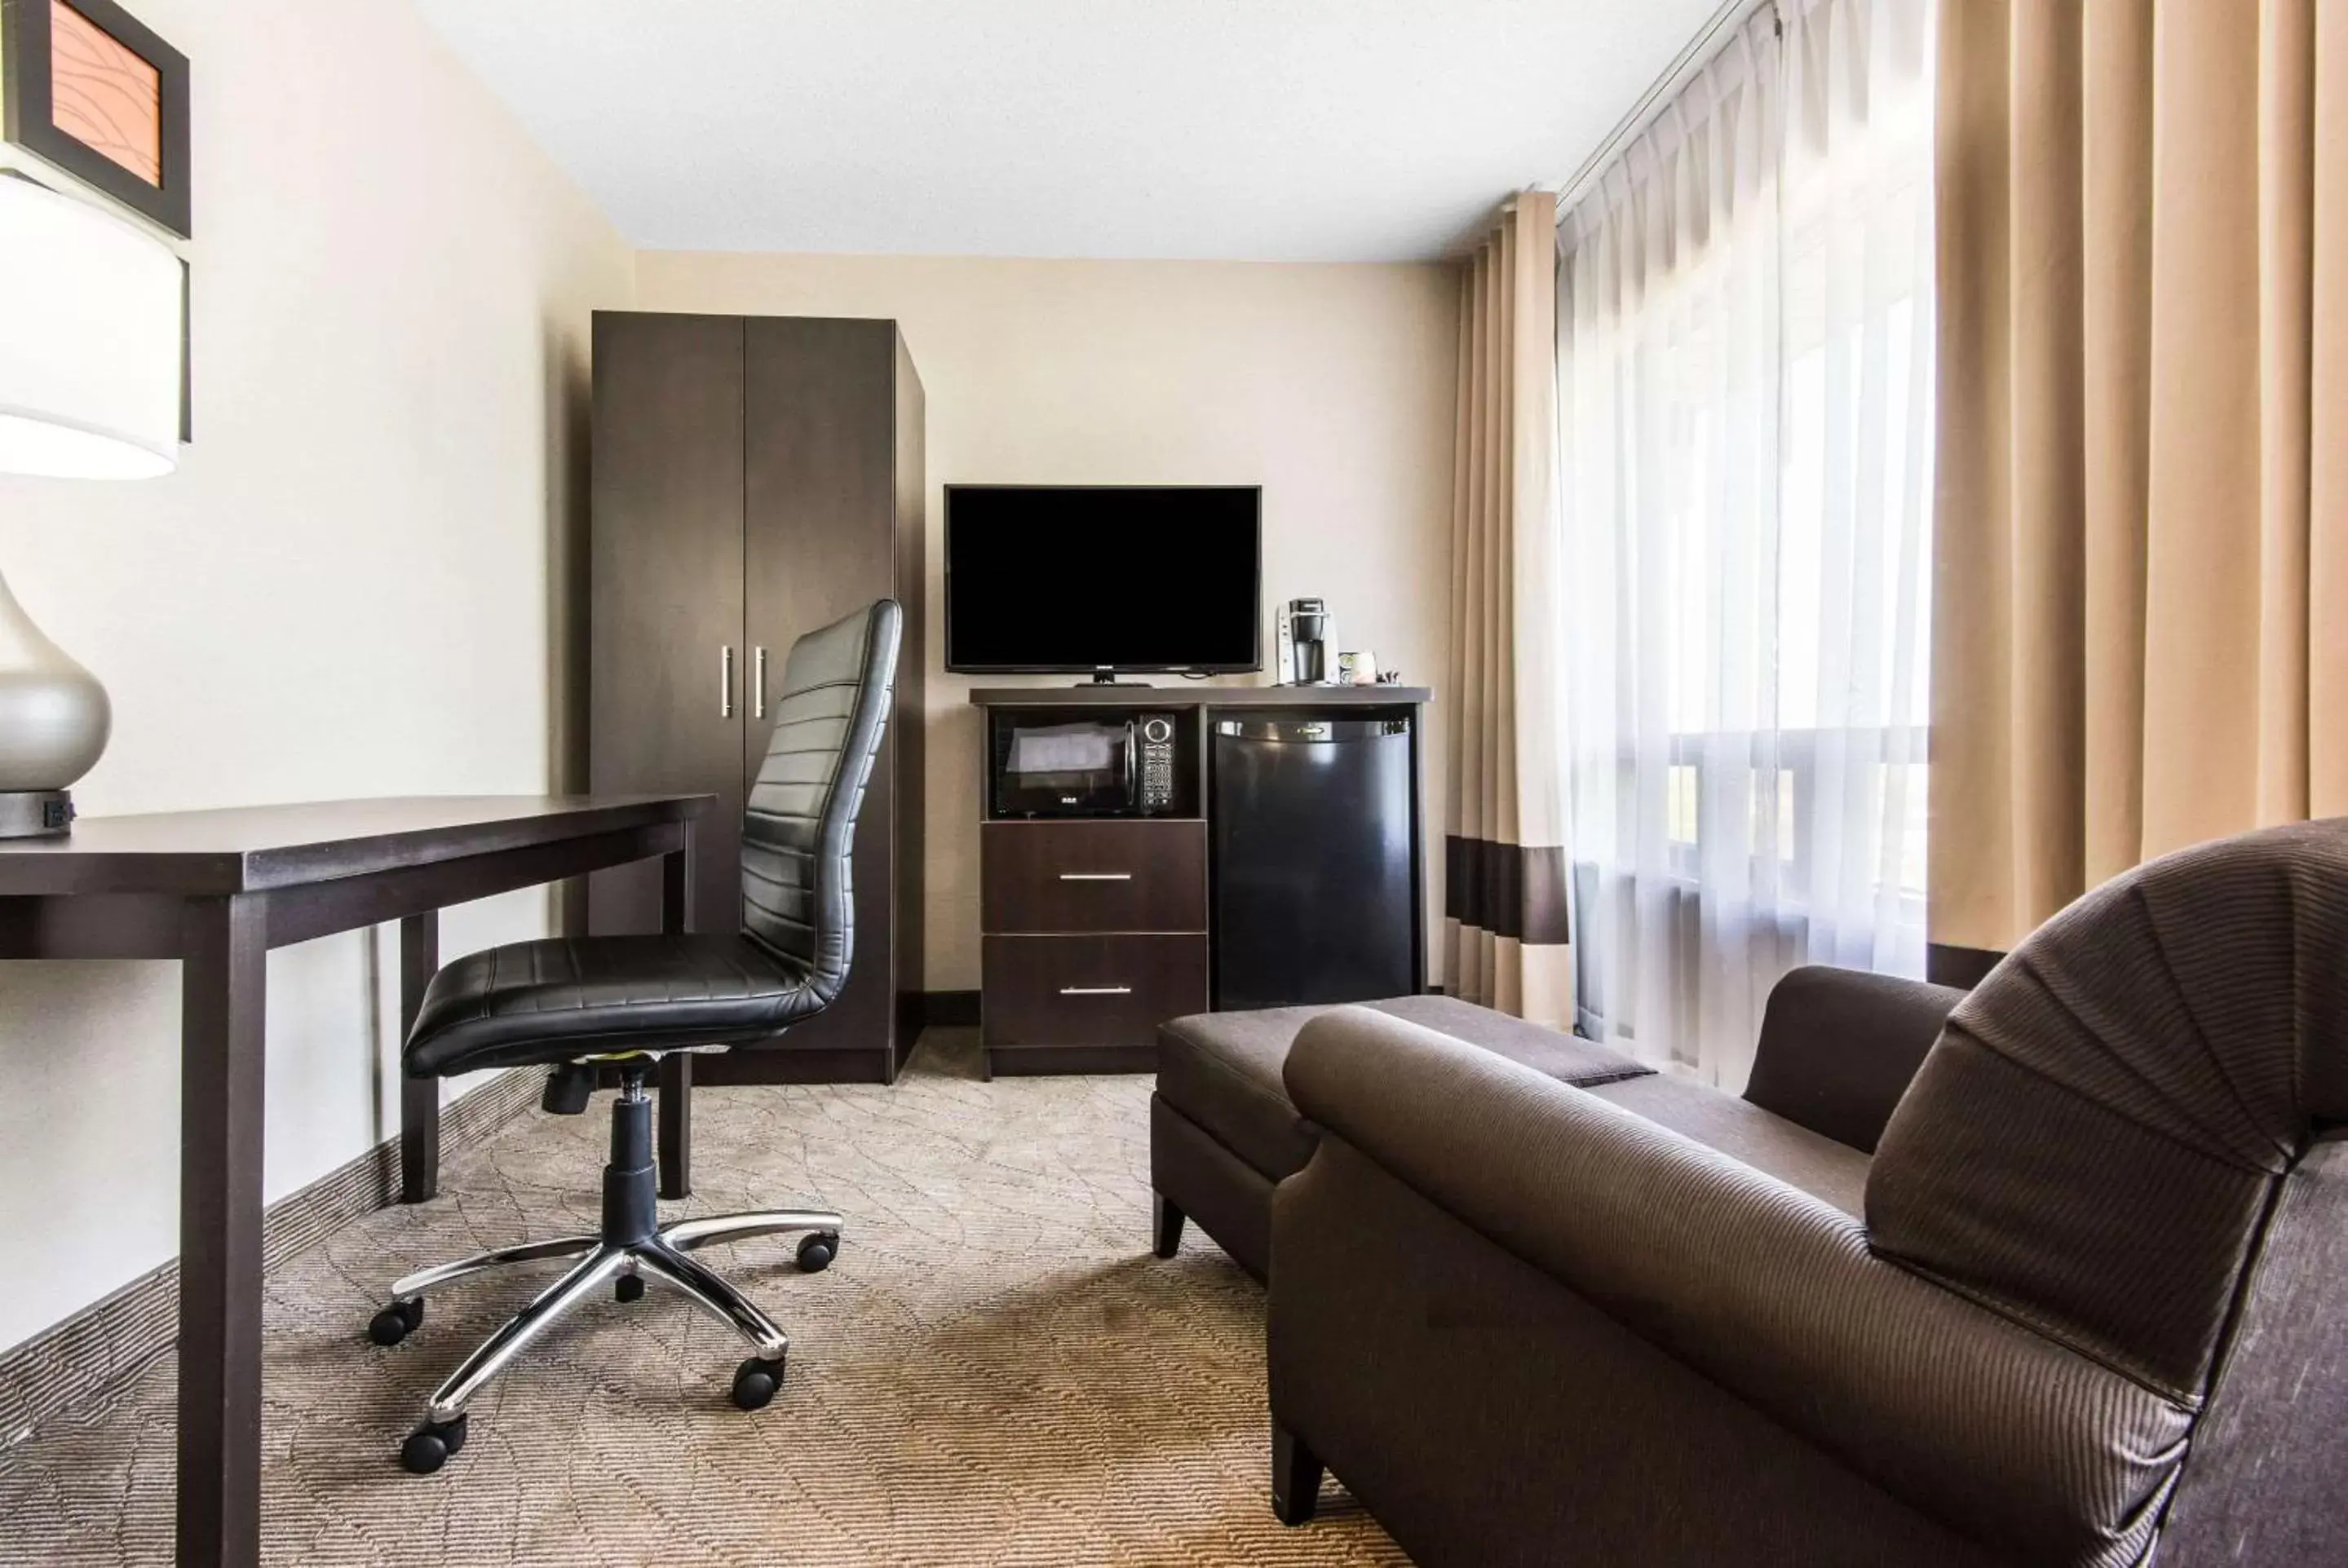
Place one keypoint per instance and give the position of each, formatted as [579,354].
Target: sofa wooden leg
[1295,1477]
[1169,1225]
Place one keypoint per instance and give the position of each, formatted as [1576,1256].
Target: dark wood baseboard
[916,1010]
[1036,1061]
[112,1339]
[950,1009]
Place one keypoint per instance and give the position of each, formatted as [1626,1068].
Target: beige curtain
[2141,616]
[1505,862]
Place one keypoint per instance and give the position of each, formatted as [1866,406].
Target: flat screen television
[1047,579]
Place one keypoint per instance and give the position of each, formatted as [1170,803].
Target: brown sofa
[1222,1132]
[2087,1300]
[1837,1048]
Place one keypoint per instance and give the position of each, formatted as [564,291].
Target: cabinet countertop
[1197,694]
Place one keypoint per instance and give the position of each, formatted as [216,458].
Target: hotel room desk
[216,890]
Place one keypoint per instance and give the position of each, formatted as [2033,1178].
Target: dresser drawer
[1089,991]
[1092,877]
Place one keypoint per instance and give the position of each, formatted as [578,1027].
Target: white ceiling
[1256,130]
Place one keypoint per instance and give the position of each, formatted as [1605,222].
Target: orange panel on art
[104,95]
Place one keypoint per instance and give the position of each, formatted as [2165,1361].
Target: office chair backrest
[799,831]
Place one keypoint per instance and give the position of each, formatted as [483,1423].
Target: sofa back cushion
[1840,1047]
[2093,1145]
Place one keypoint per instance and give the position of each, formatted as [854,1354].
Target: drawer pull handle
[1095,875]
[1095,990]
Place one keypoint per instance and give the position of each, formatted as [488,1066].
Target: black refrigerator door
[1313,865]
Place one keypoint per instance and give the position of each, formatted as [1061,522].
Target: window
[1745,365]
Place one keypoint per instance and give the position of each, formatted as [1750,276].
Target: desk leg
[223,978]
[420,1098]
[676,1071]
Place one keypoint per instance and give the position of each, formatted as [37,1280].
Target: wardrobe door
[909,738]
[820,539]
[665,694]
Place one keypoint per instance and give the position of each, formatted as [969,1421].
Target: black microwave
[1057,763]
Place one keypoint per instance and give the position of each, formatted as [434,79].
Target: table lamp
[91,344]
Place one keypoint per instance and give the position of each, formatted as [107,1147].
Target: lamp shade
[91,334]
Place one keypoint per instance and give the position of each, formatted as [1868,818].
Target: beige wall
[1330,385]
[350,588]
[356,584]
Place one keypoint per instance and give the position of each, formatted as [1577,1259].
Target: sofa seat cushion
[1833,1173]
[1223,1070]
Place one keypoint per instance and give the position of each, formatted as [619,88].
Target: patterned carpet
[995,1371]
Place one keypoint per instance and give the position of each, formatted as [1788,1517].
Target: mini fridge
[1314,874]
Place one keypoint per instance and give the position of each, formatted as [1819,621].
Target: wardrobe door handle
[1095,875]
[726,681]
[759,683]
[1095,990]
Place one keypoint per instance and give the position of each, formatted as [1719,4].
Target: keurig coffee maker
[1309,635]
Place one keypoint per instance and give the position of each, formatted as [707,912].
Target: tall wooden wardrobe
[755,478]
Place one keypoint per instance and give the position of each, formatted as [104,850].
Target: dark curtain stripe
[1946,965]
[1509,889]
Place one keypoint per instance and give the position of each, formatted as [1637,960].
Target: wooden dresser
[1094,930]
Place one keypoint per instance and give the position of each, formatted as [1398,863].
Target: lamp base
[36,814]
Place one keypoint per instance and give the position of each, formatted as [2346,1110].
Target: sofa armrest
[1838,1048]
[1765,1290]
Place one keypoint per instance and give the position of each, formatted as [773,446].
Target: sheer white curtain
[1745,339]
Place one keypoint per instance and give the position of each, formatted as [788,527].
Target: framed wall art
[87,88]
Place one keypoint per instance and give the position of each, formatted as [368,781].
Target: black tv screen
[1041,579]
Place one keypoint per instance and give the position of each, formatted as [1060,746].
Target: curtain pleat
[2140,574]
[1504,903]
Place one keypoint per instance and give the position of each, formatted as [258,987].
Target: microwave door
[1077,769]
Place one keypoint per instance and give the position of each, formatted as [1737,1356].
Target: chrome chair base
[628,1251]
[663,1258]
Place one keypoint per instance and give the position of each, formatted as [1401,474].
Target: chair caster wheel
[817,1250]
[628,1288]
[396,1322]
[756,1383]
[432,1445]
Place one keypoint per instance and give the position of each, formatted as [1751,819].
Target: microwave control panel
[1154,736]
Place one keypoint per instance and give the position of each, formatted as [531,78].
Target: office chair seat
[567,1002]
[564,999]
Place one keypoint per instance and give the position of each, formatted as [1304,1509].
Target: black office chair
[578,1003]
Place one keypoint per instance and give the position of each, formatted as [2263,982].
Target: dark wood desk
[216,890]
